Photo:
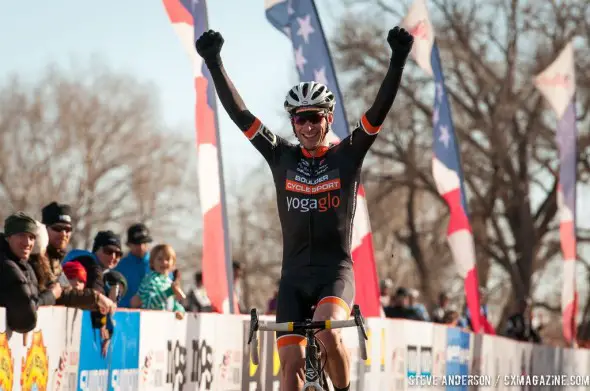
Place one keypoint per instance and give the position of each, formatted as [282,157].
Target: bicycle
[315,376]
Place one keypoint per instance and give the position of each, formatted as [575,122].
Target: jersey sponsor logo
[322,204]
[268,135]
[312,189]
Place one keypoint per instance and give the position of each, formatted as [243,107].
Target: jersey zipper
[312,171]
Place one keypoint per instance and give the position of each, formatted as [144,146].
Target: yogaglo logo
[313,204]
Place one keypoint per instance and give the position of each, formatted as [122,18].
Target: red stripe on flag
[472,298]
[568,239]
[457,218]
[365,278]
[569,314]
[214,276]
[177,13]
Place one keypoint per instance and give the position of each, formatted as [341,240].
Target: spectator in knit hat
[106,254]
[76,274]
[136,264]
[19,290]
[46,261]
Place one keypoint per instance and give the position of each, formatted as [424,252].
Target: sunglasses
[314,118]
[110,251]
[61,228]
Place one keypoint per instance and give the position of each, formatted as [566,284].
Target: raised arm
[368,127]
[401,43]
[209,48]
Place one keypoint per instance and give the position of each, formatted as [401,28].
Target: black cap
[106,238]
[55,213]
[402,292]
[138,234]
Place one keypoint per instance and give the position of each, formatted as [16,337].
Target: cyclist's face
[310,128]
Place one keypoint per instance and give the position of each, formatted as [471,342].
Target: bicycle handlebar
[357,321]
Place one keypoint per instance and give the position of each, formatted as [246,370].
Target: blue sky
[141,41]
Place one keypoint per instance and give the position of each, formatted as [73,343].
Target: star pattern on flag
[435,116]
[305,28]
[439,91]
[300,60]
[445,136]
[320,75]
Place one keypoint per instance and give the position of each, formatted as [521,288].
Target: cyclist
[316,184]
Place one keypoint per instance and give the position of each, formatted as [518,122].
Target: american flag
[299,20]
[189,20]
[446,162]
[558,86]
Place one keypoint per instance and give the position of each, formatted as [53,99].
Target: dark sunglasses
[111,251]
[314,118]
[61,228]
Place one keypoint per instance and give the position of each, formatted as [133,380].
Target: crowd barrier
[152,350]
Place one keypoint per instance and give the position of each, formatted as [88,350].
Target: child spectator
[76,274]
[157,291]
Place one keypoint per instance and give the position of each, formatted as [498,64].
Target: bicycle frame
[314,376]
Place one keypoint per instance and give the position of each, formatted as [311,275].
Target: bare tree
[490,52]
[95,140]
[256,236]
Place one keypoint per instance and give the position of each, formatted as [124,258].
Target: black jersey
[316,196]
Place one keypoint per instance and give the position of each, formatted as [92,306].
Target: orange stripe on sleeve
[253,129]
[291,339]
[335,300]
[367,127]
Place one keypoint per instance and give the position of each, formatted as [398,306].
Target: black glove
[209,46]
[401,43]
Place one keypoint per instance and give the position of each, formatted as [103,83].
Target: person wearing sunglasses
[56,230]
[316,184]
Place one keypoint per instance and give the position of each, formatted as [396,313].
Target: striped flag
[446,162]
[557,83]
[189,19]
[299,20]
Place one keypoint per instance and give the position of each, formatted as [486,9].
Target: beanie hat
[138,234]
[55,213]
[19,222]
[75,270]
[106,238]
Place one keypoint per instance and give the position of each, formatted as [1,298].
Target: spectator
[400,306]
[106,253]
[197,300]
[76,274]
[419,307]
[19,289]
[47,260]
[385,288]
[451,318]
[519,325]
[157,291]
[136,264]
[439,312]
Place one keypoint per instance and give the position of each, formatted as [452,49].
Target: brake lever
[253,324]
[358,319]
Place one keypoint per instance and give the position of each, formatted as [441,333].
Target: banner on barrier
[152,350]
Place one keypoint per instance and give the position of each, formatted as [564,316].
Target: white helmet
[309,94]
